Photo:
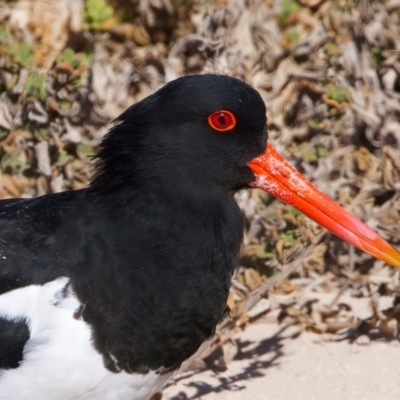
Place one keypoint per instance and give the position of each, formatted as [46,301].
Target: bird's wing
[35,236]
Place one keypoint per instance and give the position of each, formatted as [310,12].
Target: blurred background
[329,73]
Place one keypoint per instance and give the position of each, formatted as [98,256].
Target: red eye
[222,121]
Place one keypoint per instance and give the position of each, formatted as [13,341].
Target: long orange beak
[277,177]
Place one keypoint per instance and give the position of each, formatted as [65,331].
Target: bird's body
[150,322]
[105,291]
[148,251]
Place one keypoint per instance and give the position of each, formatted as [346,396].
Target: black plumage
[150,246]
[13,337]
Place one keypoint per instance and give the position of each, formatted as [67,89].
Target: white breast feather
[59,361]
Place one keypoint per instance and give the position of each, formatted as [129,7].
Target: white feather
[59,361]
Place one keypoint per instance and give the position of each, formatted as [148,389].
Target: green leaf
[74,59]
[293,35]
[11,163]
[288,7]
[77,82]
[85,149]
[288,238]
[97,12]
[323,151]
[41,134]
[338,93]
[294,212]
[311,155]
[68,56]
[23,54]
[331,50]
[35,86]
[4,38]
[61,155]
[263,252]
[376,55]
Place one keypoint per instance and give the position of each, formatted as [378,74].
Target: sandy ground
[276,364]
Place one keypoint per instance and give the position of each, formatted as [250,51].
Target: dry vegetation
[329,72]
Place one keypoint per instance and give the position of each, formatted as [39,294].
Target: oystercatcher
[105,291]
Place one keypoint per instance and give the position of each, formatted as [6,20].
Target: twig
[289,269]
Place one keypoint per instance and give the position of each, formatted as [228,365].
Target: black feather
[13,337]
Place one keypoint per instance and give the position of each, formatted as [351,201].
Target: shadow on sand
[254,369]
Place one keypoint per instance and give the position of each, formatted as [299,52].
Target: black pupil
[222,119]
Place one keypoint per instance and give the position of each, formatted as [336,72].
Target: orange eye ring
[222,121]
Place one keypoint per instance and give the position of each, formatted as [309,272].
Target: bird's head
[207,133]
[199,130]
